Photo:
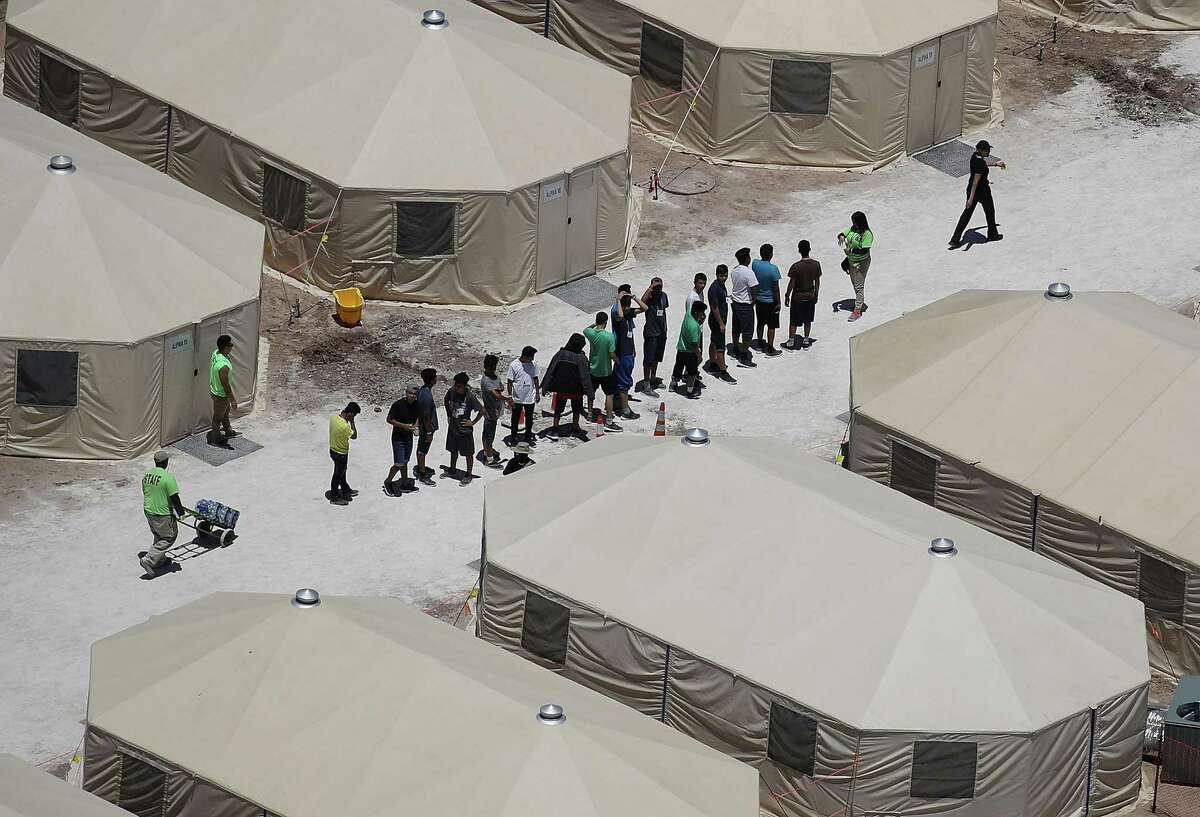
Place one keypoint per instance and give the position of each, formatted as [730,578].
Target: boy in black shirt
[402,418]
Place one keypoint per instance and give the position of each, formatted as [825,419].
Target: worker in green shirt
[687,352]
[342,430]
[220,385]
[160,501]
[856,242]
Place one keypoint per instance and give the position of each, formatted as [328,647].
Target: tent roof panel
[829,595]
[850,27]
[115,252]
[364,707]
[358,92]
[26,791]
[1073,393]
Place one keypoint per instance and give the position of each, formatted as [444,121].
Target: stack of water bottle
[216,513]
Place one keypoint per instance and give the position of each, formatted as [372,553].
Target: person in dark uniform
[979,192]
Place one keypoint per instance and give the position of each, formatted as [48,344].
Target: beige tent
[1118,15]
[472,163]
[26,791]
[825,83]
[117,282]
[797,620]
[1065,425]
[240,704]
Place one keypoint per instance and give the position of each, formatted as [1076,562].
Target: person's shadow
[972,237]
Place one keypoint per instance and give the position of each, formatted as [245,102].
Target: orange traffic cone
[660,426]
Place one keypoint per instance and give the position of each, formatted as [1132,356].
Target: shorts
[562,398]
[624,372]
[607,383]
[460,443]
[401,450]
[803,312]
[766,315]
[423,442]
[743,321]
[715,334]
[654,349]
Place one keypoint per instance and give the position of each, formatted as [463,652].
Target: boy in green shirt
[220,386]
[687,352]
[161,504]
[602,355]
[341,431]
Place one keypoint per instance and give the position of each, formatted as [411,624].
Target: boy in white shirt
[525,389]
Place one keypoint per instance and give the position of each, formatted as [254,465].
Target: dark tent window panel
[143,787]
[425,229]
[800,87]
[47,378]
[284,198]
[662,57]
[943,770]
[544,628]
[913,473]
[58,90]
[1161,588]
[792,739]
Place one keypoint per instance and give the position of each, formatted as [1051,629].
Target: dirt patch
[1127,66]
[313,357]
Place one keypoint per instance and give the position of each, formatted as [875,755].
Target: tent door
[178,402]
[552,234]
[922,95]
[952,80]
[206,341]
[581,224]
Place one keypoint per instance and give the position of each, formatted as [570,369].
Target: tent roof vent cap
[306,597]
[942,547]
[1058,291]
[435,19]
[61,165]
[551,714]
[696,437]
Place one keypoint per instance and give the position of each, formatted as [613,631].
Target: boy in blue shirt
[768,302]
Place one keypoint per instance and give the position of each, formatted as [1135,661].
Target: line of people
[741,310]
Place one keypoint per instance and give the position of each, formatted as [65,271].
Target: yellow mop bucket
[349,305]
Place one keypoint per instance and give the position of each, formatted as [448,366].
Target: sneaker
[771,351]
[388,490]
[231,434]
[726,377]
[465,481]
[807,342]
[747,363]
[552,434]
[611,425]
[711,368]
[855,315]
[649,392]
[496,458]
[789,345]
[657,384]
[996,237]
[147,566]
[954,245]
[338,499]
[630,415]
[756,345]
[700,384]
[353,493]
[674,385]
[640,386]
[481,457]
[220,444]
[407,486]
